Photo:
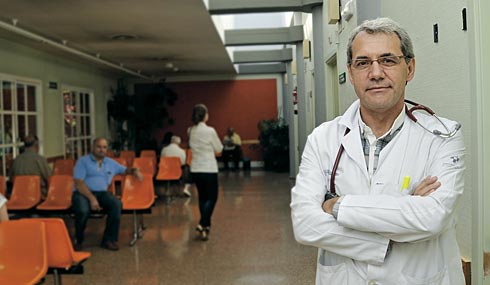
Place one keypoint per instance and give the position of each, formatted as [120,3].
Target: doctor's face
[380,87]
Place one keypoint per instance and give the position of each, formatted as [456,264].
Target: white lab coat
[352,249]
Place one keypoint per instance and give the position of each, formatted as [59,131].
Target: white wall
[479,28]
[309,73]
[19,60]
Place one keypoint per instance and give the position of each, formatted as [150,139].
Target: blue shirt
[96,177]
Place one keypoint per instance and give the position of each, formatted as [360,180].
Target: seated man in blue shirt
[93,175]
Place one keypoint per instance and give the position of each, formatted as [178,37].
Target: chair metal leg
[135,229]
[56,277]
[142,223]
[141,226]
[168,194]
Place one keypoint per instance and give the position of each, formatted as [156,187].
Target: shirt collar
[366,130]
[92,157]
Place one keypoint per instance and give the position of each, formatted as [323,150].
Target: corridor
[251,241]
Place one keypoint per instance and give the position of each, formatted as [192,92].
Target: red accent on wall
[240,104]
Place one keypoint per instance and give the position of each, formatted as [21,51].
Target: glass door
[19,113]
[77,122]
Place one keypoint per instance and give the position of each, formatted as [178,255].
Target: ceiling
[180,32]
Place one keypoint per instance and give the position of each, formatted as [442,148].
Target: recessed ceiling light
[123,37]
[169,65]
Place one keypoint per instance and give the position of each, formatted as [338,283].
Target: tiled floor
[251,241]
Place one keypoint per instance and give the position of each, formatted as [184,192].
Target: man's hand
[137,173]
[328,205]
[83,189]
[427,186]
[94,205]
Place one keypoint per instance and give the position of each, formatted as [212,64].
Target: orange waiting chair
[59,194]
[138,197]
[152,154]
[62,259]
[129,155]
[110,153]
[23,252]
[169,170]
[26,193]
[145,164]
[64,166]
[3,186]
[118,178]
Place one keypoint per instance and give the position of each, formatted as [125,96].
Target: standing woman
[205,145]
[4,216]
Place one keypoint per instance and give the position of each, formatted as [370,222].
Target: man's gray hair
[386,26]
[175,139]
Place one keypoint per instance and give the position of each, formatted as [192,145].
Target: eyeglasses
[384,61]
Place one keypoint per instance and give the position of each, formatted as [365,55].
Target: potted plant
[120,111]
[274,139]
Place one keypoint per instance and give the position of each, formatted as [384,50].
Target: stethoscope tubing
[409,113]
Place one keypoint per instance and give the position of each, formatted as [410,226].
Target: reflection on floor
[251,241]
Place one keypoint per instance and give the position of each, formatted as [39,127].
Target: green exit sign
[342,78]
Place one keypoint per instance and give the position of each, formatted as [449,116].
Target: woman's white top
[3,200]
[204,143]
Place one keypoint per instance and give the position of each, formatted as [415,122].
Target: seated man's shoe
[110,245]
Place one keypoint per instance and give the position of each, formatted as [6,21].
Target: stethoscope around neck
[448,133]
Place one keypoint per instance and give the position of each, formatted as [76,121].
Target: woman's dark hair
[199,113]
[166,138]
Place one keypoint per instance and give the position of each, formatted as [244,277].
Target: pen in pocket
[405,184]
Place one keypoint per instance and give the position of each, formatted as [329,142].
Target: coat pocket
[335,274]
[440,278]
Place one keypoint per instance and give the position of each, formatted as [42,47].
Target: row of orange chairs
[147,162]
[130,155]
[126,158]
[26,194]
[169,169]
[29,247]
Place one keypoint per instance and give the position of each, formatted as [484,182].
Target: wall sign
[342,78]
[53,85]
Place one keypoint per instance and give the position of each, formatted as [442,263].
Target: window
[77,121]
[19,113]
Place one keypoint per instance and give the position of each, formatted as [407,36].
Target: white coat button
[372,282]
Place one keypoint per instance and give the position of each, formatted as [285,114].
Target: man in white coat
[385,213]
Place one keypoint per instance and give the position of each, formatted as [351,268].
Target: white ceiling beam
[261,68]
[270,36]
[282,55]
[217,7]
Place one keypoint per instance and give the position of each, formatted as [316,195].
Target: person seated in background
[30,162]
[232,148]
[93,175]
[173,149]
[167,137]
[4,216]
